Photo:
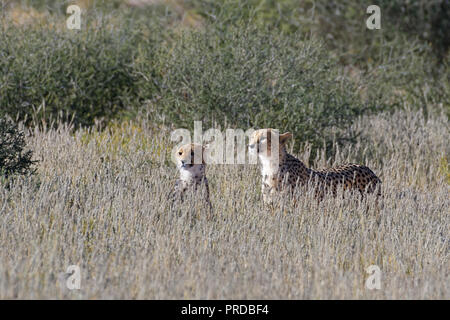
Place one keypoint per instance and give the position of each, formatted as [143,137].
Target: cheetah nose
[185,164]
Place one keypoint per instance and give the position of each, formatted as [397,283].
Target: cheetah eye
[180,153]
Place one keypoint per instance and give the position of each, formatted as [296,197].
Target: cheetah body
[192,173]
[289,171]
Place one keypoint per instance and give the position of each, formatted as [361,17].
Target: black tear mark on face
[268,137]
[269,142]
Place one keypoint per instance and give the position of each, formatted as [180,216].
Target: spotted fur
[290,171]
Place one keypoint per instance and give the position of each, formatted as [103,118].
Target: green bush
[83,73]
[88,73]
[341,22]
[13,158]
[246,64]
[252,78]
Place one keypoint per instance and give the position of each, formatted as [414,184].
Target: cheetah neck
[270,171]
[269,166]
[303,170]
[192,175]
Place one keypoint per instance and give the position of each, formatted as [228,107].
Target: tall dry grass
[98,201]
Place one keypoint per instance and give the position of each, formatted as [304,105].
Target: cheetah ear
[285,137]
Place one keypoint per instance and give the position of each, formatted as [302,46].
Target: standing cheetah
[290,171]
[191,166]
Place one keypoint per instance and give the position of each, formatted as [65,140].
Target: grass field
[98,200]
[98,105]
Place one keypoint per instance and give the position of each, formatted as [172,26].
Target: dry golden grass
[23,15]
[98,201]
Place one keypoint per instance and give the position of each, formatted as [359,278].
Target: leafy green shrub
[83,73]
[251,78]
[407,60]
[13,158]
[88,73]
[340,22]
[246,65]
[429,20]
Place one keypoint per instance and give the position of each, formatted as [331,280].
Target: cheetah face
[262,141]
[258,141]
[190,159]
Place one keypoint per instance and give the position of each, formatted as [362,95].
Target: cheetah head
[262,142]
[190,159]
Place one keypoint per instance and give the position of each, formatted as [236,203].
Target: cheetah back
[351,176]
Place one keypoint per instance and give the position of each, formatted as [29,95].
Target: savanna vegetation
[85,123]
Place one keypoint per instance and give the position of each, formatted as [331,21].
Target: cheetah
[191,166]
[290,171]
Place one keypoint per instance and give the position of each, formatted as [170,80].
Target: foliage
[249,78]
[299,67]
[14,159]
